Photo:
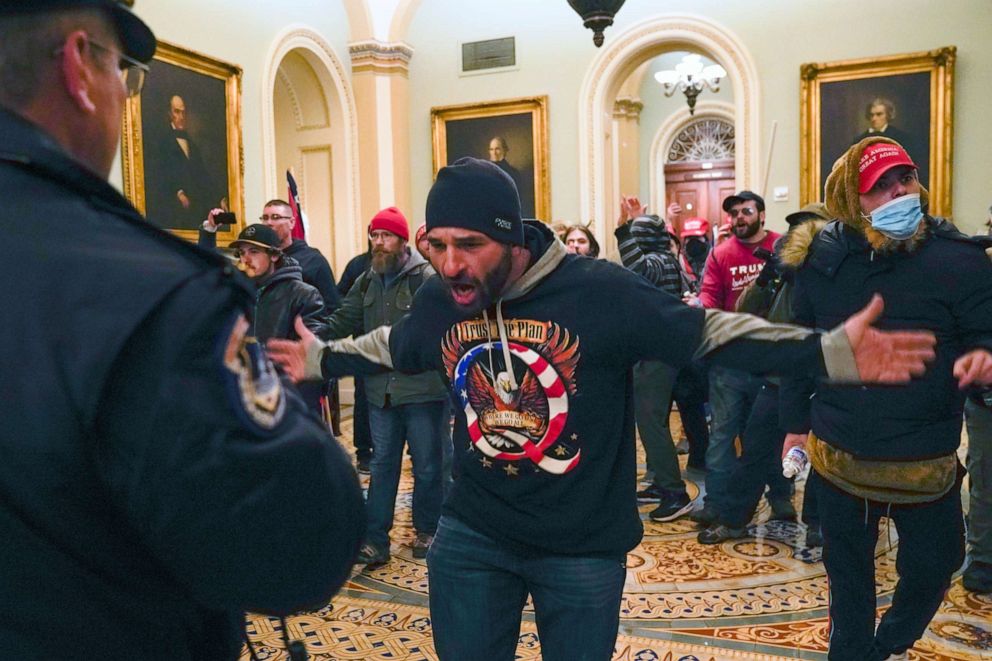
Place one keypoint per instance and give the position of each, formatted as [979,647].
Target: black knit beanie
[476,195]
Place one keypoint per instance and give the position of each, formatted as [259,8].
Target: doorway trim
[669,129]
[623,54]
[341,97]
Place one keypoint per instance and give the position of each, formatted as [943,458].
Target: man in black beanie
[544,431]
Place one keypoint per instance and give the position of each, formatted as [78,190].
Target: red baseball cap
[695,227]
[876,160]
[421,231]
[392,220]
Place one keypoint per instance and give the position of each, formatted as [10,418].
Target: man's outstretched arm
[855,352]
[310,359]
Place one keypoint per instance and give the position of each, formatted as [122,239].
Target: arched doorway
[693,160]
[309,125]
[618,61]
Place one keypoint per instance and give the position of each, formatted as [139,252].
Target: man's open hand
[291,355]
[974,367]
[887,356]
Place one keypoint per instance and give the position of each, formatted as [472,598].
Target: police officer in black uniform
[157,479]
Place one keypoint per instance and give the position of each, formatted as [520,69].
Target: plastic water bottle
[795,462]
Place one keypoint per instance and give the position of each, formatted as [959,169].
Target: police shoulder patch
[256,391]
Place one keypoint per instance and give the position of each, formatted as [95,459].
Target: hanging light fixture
[597,14]
[690,76]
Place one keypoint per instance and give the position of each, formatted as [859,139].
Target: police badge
[257,391]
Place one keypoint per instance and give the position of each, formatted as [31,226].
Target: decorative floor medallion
[760,598]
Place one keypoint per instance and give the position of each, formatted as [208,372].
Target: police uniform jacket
[156,479]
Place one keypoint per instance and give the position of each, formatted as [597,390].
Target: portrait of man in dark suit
[507,141]
[498,149]
[895,106]
[185,146]
[880,113]
[184,191]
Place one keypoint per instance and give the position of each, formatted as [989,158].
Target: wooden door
[699,190]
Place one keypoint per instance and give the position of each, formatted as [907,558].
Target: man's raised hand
[291,355]
[887,356]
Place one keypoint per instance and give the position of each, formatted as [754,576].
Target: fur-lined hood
[797,241]
[843,201]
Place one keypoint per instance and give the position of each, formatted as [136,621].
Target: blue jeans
[424,427]
[732,395]
[478,588]
[760,463]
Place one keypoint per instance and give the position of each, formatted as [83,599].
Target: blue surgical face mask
[899,218]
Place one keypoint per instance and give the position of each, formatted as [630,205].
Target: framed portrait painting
[181,149]
[512,133]
[908,98]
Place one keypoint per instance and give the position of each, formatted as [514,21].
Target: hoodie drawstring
[504,341]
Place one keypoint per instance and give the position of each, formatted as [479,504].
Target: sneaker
[672,507]
[901,656]
[782,510]
[421,544]
[372,556]
[978,577]
[363,466]
[814,538]
[682,447]
[720,533]
[704,516]
[651,494]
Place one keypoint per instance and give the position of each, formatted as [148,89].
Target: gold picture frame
[835,100]
[522,124]
[174,176]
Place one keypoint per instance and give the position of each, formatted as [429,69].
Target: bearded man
[730,268]
[545,498]
[403,409]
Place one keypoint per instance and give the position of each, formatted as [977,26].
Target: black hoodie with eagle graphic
[542,385]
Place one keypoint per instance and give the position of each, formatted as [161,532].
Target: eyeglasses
[266,217]
[746,211]
[132,71]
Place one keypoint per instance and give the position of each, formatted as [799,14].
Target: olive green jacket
[369,305]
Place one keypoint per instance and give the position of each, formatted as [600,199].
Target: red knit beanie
[392,220]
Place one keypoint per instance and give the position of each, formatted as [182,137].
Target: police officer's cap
[259,235]
[136,37]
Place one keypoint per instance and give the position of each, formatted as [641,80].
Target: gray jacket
[369,305]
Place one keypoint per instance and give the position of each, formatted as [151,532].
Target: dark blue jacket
[148,495]
[943,285]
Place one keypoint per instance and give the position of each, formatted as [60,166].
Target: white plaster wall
[242,32]
[554,51]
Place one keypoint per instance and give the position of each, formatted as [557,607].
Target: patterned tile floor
[759,598]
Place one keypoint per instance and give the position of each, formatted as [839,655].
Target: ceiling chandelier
[597,14]
[691,76]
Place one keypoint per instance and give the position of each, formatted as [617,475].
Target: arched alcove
[618,60]
[309,123]
[666,133]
